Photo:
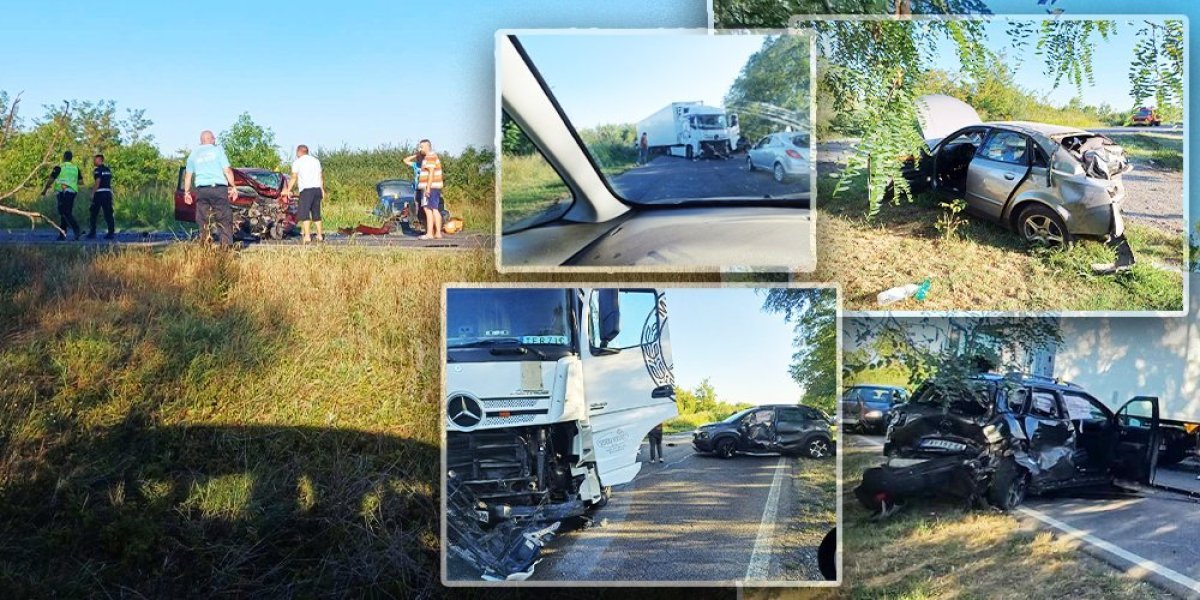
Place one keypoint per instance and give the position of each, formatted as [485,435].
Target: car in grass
[1049,183]
[260,211]
[867,407]
[785,155]
[792,429]
[1145,117]
[995,438]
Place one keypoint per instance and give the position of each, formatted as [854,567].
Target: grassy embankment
[350,175]
[984,267]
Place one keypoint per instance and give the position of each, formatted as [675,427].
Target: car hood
[940,115]
[718,426]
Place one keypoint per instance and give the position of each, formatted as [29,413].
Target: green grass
[935,549]
[986,267]
[528,186]
[1159,151]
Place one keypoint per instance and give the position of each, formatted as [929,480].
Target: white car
[784,154]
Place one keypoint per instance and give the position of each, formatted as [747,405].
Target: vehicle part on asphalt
[998,438]
[507,551]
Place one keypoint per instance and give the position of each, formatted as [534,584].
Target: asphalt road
[49,237]
[1148,533]
[692,518]
[675,178]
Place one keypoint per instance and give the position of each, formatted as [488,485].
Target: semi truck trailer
[549,393]
[690,130]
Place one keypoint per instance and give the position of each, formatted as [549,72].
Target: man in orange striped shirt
[429,185]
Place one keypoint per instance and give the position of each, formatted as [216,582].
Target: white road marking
[760,559]
[1140,565]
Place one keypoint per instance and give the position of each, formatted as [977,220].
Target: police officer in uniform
[102,197]
[66,178]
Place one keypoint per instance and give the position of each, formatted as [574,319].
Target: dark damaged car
[1049,183]
[784,428]
[999,438]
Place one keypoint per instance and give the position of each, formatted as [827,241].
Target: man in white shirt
[306,175]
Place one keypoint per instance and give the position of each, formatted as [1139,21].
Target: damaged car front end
[997,438]
[1049,183]
[550,392]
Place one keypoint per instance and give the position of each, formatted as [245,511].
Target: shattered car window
[268,178]
[1044,404]
[1006,146]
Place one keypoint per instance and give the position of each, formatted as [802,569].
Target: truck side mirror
[610,316]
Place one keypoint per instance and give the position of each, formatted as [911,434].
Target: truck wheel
[1041,226]
[1009,484]
[818,447]
[778,173]
[725,448]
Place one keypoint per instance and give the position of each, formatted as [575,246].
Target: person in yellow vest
[429,184]
[66,178]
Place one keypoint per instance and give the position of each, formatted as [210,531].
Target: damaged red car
[260,211]
[996,438]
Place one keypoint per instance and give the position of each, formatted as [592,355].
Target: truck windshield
[508,321]
[709,121]
[653,112]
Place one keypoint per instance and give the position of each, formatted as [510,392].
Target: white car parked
[784,154]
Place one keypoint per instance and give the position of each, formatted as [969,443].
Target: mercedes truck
[690,130]
[549,393]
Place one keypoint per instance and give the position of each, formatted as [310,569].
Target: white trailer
[691,129]
[549,393]
[1118,358]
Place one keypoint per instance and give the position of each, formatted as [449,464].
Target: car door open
[1137,439]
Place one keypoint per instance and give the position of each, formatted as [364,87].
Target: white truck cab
[691,129]
[549,392]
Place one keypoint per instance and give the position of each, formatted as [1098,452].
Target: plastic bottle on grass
[911,290]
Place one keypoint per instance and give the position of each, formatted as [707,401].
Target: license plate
[943,445]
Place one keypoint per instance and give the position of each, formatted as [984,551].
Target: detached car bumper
[900,479]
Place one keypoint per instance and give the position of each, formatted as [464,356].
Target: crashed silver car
[1047,182]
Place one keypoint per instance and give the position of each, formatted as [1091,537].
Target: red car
[260,210]
[1145,116]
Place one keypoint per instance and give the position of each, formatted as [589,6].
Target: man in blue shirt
[215,188]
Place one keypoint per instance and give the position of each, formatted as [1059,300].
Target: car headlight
[873,414]
[700,434]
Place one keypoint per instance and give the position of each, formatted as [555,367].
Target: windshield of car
[667,119]
[971,398]
[269,179]
[875,395]
[500,317]
[737,416]
[1142,112]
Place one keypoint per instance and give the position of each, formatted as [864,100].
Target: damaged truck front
[996,438]
[549,394]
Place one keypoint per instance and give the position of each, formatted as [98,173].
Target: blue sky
[724,335]
[1111,63]
[624,77]
[361,73]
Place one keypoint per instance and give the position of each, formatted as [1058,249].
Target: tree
[772,91]
[24,156]
[945,348]
[813,313]
[248,144]
[1157,67]
[873,68]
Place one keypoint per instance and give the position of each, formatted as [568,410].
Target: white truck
[691,129]
[549,393]
[1118,358]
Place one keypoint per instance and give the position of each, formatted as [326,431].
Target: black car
[999,437]
[783,428]
[867,407]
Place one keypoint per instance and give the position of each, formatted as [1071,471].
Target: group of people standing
[208,168]
[209,185]
[66,178]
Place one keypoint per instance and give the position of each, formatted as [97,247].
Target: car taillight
[794,154]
